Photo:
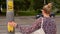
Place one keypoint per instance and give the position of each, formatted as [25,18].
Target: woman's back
[49,25]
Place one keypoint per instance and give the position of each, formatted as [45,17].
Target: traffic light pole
[10,15]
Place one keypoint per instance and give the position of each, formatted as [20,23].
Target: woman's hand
[12,23]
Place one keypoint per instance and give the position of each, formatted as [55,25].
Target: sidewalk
[24,20]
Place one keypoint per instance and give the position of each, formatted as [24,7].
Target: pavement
[25,20]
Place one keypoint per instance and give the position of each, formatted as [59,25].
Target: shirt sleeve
[36,25]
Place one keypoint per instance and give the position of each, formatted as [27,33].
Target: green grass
[21,13]
[58,14]
[26,13]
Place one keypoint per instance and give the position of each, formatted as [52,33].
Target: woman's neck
[46,15]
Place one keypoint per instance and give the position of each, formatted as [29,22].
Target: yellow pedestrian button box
[10,27]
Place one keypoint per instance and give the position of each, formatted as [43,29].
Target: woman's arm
[36,25]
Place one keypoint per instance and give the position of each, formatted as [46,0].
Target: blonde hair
[50,5]
[47,9]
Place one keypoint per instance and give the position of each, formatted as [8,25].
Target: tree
[21,4]
[0,7]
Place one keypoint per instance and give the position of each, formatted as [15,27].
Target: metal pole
[44,1]
[10,14]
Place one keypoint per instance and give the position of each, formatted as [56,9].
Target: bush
[3,14]
[27,13]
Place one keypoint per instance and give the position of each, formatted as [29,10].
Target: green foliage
[28,4]
[26,13]
[24,5]
[3,3]
[38,4]
[21,4]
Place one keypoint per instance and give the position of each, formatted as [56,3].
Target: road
[25,20]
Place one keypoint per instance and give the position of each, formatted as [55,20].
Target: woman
[49,26]
[51,13]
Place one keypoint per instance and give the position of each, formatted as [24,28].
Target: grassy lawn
[24,13]
[58,14]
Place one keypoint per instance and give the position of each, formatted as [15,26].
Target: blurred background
[29,7]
